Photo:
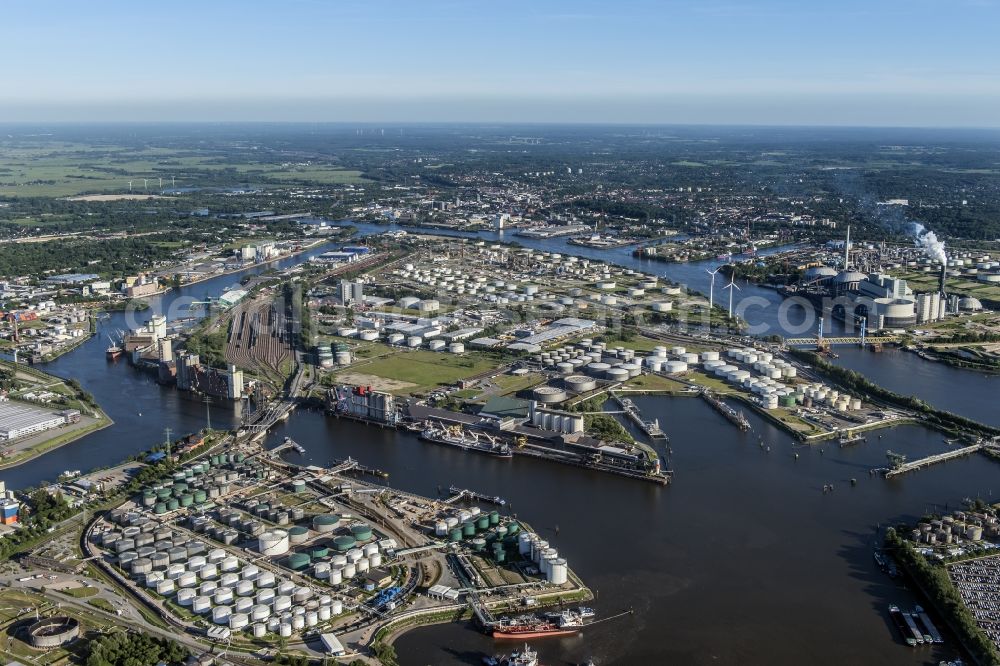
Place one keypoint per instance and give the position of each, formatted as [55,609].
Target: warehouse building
[19,420]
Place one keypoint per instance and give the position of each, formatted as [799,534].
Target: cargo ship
[901,625]
[556,623]
[931,634]
[531,626]
[466,440]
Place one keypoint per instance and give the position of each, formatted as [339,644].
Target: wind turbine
[730,287]
[711,287]
[144,185]
[130,187]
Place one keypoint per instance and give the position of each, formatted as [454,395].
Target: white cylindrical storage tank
[272,624]
[229,580]
[362,565]
[250,572]
[208,572]
[375,560]
[282,603]
[350,571]
[185,597]
[196,563]
[238,621]
[312,618]
[201,605]
[321,570]
[208,588]
[456,348]
[265,579]
[440,528]
[672,367]
[301,594]
[229,563]
[260,612]
[323,613]
[298,622]
[243,605]
[222,596]
[265,597]
[259,629]
[175,571]
[216,555]
[677,351]
[336,576]
[654,363]
[354,554]
[285,629]
[336,607]
[221,614]
[187,579]
[558,571]
[273,542]
[165,587]
[370,549]
[244,588]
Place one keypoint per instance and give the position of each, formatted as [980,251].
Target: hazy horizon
[893,63]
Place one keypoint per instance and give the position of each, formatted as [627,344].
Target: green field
[60,169]
[416,371]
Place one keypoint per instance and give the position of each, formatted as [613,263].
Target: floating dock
[650,428]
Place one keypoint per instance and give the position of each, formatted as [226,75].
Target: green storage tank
[344,543]
[513,528]
[200,496]
[298,561]
[482,523]
[187,499]
[298,486]
[173,504]
[148,494]
[479,545]
[178,476]
[318,552]
[455,534]
[160,507]
[468,528]
[494,518]
[361,532]
[240,457]
[188,473]
[163,493]
[501,532]
[788,401]
[499,556]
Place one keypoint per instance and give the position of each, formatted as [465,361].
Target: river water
[742,560]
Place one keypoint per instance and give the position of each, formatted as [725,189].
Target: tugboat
[466,440]
[525,657]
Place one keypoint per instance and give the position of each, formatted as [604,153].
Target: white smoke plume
[928,240]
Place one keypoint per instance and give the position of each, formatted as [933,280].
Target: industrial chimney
[944,271]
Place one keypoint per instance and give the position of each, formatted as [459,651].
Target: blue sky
[843,62]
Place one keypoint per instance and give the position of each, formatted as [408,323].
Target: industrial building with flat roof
[18,420]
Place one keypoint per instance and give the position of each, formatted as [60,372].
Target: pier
[731,414]
[460,493]
[936,458]
[651,428]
